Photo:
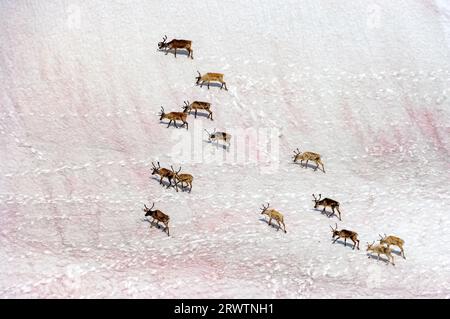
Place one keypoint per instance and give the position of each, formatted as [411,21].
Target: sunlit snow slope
[365,85]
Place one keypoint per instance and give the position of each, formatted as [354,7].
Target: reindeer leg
[167,228]
[270,221]
[170,182]
[210,113]
[306,165]
[335,240]
[160,181]
[403,253]
[284,226]
[175,52]
[195,115]
[151,223]
[208,84]
[345,242]
[279,225]
[358,244]
[226,89]
[169,123]
[337,208]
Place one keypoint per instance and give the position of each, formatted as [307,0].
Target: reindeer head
[162,44]
[173,171]
[382,239]
[198,78]
[369,246]
[316,200]
[155,169]
[148,211]
[211,136]
[297,153]
[334,231]
[186,107]
[162,114]
[264,208]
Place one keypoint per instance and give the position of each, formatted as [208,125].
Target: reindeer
[308,156]
[381,250]
[327,202]
[210,77]
[176,44]
[196,105]
[174,116]
[164,173]
[345,234]
[394,241]
[273,214]
[182,178]
[157,215]
[216,136]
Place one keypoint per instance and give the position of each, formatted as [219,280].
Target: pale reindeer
[176,44]
[217,136]
[273,214]
[308,156]
[381,250]
[327,202]
[157,215]
[197,105]
[174,116]
[182,178]
[210,77]
[394,241]
[163,173]
[343,233]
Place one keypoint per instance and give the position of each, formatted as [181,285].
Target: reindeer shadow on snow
[172,51]
[378,258]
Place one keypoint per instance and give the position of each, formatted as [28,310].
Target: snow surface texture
[365,85]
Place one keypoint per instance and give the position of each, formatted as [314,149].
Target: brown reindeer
[182,178]
[327,202]
[273,214]
[308,156]
[163,173]
[345,234]
[211,77]
[394,241]
[381,250]
[197,105]
[157,215]
[174,116]
[176,44]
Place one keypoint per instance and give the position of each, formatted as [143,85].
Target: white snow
[365,85]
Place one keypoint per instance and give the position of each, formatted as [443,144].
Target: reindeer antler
[297,151]
[207,132]
[153,164]
[320,196]
[152,206]
[199,74]
[380,236]
[314,197]
[164,38]
[159,165]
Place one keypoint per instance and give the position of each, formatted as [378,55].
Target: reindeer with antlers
[182,178]
[163,173]
[308,156]
[157,215]
[381,250]
[216,136]
[197,105]
[273,214]
[211,77]
[174,116]
[176,44]
[343,233]
[394,241]
[327,202]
